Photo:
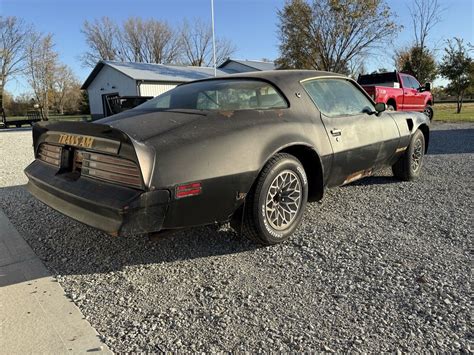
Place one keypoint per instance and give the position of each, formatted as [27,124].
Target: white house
[118,79]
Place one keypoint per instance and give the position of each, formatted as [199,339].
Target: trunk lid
[143,125]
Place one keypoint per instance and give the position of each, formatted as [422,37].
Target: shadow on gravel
[453,141]
[67,247]
[375,180]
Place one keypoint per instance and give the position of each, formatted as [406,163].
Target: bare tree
[64,82]
[130,40]
[41,65]
[332,34]
[417,59]
[135,40]
[161,43]
[149,41]
[425,14]
[101,37]
[13,36]
[197,44]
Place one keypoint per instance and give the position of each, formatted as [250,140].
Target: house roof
[253,64]
[154,72]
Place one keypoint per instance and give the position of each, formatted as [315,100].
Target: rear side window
[337,97]
[220,94]
[379,79]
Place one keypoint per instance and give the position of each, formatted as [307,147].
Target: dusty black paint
[225,151]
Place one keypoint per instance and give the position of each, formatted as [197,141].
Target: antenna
[213,38]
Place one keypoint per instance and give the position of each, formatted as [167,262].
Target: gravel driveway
[379,265]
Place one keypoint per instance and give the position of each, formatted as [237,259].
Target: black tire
[429,112]
[408,167]
[390,107]
[256,224]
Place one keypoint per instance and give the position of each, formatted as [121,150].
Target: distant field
[447,112]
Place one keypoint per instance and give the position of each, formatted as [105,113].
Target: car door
[419,99]
[361,139]
[409,93]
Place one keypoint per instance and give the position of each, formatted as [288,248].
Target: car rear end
[379,85]
[97,175]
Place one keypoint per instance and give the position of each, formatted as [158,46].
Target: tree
[196,40]
[416,61]
[65,90]
[425,15]
[41,65]
[151,41]
[332,35]
[148,41]
[101,37]
[296,51]
[13,36]
[458,67]
[19,105]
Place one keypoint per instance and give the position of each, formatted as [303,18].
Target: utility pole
[213,38]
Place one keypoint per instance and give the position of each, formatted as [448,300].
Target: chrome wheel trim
[417,155]
[283,200]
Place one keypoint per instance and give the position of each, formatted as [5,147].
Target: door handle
[336,132]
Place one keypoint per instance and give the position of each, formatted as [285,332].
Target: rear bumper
[114,209]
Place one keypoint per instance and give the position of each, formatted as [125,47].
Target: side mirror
[426,87]
[380,107]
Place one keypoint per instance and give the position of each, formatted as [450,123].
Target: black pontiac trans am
[251,149]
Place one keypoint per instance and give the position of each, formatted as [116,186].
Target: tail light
[109,168]
[50,154]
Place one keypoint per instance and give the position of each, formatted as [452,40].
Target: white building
[116,79]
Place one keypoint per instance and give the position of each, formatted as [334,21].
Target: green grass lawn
[447,112]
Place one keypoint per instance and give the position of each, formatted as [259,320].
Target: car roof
[279,75]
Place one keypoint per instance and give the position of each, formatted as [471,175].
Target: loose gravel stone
[378,265]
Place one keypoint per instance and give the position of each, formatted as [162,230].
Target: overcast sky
[250,24]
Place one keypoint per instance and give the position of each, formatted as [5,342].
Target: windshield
[220,94]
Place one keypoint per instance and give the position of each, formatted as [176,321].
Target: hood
[142,125]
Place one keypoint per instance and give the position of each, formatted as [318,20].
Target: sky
[250,24]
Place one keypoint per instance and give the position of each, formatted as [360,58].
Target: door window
[337,97]
[409,82]
[414,83]
[406,82]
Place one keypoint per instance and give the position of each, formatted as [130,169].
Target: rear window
[219,94]
[381,79]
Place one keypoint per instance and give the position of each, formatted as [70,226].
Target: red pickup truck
[399,91]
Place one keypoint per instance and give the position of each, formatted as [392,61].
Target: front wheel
[408,167]
[276,203]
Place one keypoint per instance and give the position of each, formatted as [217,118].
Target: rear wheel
[390,107]
[276,204]
[408,167]
[428,111]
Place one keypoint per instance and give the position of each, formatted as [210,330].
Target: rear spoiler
[96,137]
